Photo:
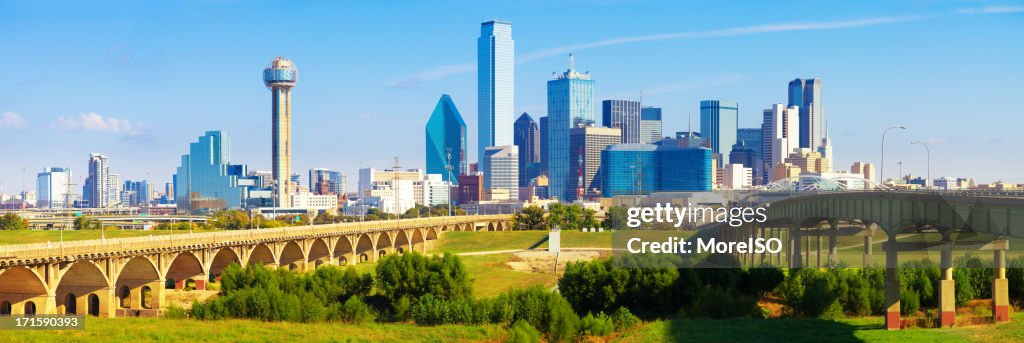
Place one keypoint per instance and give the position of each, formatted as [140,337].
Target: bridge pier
[807,255]
[833,253]
[947,290]
[869,257]
[796,260]
[892,287]
[819,249]
[1000,288]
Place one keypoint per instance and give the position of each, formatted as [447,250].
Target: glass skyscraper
[644,168]
[495,85]
[446,132]
[527,138]
[53,186]
[625,115]
[570,104]
[97,191]
[502,162]
[204,180]
[806,94]
[718,124]
[650,125]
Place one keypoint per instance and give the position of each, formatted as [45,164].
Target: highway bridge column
[833,257]
[807,245]
[1000,288]
[795,258]
[819,249]
[947,290]
[869,257]
[892,287]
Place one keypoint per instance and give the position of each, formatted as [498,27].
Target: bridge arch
[402,241]
[365,249]
[490,226]
[136,282]
[292,257]
[20,286]
[83,289]
[343,251]
[262,254]
[384,244]
[184,272]
[224,258]
[416,241]
[319,254]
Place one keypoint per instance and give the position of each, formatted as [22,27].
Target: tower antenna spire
[572,62]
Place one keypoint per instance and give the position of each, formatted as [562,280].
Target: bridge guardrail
[93,246]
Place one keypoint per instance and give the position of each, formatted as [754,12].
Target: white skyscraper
[53,187]
[495,86]
[780,132]
[503,162]
[97,186]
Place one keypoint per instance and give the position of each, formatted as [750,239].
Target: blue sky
[138,81]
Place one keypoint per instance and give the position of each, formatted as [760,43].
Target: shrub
[415,275]
[599,325]
[624,319]
[715,302]
[355,311]
[523,332]
[173,311]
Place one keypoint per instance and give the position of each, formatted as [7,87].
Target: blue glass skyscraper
[495,85]
[718,124]
[639,169]
[204,181]
[806,94]
[446,132]
[570,104]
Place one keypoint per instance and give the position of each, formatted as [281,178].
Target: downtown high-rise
[718,125]
[446,141]
[204,180]
[806,94]
[650,125]
[570,105]
[527,138]
[53,188]
[280,77]
[97,191]
[622,114]
[495,85]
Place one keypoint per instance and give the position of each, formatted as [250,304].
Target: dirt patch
[184,299]
[544,262]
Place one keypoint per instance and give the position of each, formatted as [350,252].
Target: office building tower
[97,190]
[114,190]
[625,115]
[585,146]
[280,77]
[369,176]
[570,105]
[650,125]
[470,189]
[779,131]
[326,182]
[825,149]
[527,138]
[204,181]
[446,141]
[631,169]
[432,190]
[501,164]
[806,94]
[495,85]
[865,170]
[718,125]
[53,188]
[136,193]
[751,138]
[544,130]
[736,176]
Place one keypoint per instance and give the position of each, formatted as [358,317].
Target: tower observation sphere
[280,77]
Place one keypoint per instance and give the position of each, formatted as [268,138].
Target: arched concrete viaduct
[129,276]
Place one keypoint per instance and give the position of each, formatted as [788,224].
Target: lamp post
[927,182]
[881,168]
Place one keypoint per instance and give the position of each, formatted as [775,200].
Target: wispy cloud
[669,88]
[11,119]
[992,9]
[453,69]
[95,122]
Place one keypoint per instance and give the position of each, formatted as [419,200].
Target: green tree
[530,218]
[86,223]
[230,219]
[616,218]
[414,275]
[12,221]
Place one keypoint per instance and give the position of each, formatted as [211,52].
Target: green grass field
[43,236]
[869,329]
[188,330]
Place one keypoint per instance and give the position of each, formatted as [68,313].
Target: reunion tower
[280,77]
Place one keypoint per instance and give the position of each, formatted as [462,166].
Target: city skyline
[142,132]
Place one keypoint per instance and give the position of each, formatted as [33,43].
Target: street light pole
[928,182]
[881,168]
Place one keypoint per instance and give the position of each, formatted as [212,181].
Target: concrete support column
[807,247]
[869,257]
[819,249]
[833,253]
[778,256]
[947,290]
[796,260]
[1000,288]
[892,288]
